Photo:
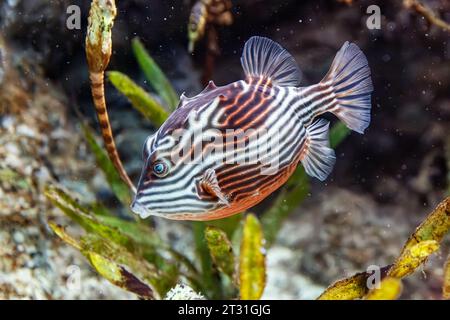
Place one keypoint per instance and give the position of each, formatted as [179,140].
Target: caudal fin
[349,77]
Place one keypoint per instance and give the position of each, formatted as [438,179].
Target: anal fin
[319,158]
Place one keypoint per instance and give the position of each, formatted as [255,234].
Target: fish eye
[160,168]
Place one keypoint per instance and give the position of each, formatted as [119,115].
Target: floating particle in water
[391,26]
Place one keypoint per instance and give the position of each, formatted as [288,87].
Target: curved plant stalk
[423,242]
[98,53]
[390,289]
[412,257]
[354,287]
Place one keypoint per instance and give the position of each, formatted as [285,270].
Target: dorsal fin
[265,58]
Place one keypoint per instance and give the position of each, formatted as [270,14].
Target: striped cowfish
[229,147]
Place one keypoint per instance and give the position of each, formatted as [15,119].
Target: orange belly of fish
[242,205]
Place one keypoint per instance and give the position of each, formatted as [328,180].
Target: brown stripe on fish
[260,94]
[247,179]
[249,116]
[254,113]
[316,100]
[250,98]
[263,186]
[243,201]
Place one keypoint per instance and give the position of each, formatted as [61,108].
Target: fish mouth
[143,212]
[140,210]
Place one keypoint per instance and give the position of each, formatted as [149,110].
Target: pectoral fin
[211,185]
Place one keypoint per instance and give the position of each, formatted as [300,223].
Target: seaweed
[389,289]
[147,105]
[252,267]
[221,251]
[154,75]
[424,241]
[117,185]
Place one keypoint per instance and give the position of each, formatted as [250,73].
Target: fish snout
[139,209]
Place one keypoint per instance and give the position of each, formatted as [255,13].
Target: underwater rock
[338,233]
[283,279]
[34,264]
[183,292]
